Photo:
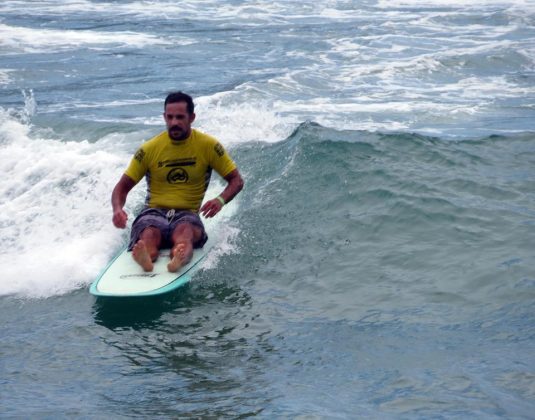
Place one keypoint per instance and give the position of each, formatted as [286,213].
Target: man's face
[178,120]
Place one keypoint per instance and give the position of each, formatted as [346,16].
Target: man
[177,164]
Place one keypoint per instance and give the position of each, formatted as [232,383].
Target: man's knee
[151,236]
[187,232]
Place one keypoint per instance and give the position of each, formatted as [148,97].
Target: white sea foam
[22,39]
[221,231]
[55,224]
[233,118]
[77,105]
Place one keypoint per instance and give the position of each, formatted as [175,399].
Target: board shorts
[166,221]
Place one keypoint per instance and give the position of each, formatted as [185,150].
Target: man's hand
[119,218]
[211,208]
[118,198]
[234,186]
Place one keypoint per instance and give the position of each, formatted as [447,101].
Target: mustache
[175,127]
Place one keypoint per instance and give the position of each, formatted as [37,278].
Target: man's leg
[146,249]
[184,237]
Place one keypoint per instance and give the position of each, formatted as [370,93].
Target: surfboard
[123,277]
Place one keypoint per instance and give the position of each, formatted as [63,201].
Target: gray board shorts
[166,221]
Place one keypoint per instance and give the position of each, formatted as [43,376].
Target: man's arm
[234,186]
[118,199]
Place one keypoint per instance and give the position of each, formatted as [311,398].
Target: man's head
[178,115]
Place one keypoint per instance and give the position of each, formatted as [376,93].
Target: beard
[177,133]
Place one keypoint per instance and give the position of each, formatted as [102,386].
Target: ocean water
[380,262]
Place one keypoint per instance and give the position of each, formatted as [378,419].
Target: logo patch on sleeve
[140,154]
[219,150]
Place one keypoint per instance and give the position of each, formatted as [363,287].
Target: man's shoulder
[153,144]
[157,140]
[204,138]
[215,153]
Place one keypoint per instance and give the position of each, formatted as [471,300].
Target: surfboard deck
[123,277]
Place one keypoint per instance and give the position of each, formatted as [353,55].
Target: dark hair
[180,97]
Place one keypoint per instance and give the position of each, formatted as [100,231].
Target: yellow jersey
[178,172]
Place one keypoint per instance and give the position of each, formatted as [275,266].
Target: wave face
[390,218]
[379,262]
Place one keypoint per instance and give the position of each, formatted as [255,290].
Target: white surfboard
[123,277]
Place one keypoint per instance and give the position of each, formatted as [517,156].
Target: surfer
[177,164]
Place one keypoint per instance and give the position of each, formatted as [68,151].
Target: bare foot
[180,256]
[141,256]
